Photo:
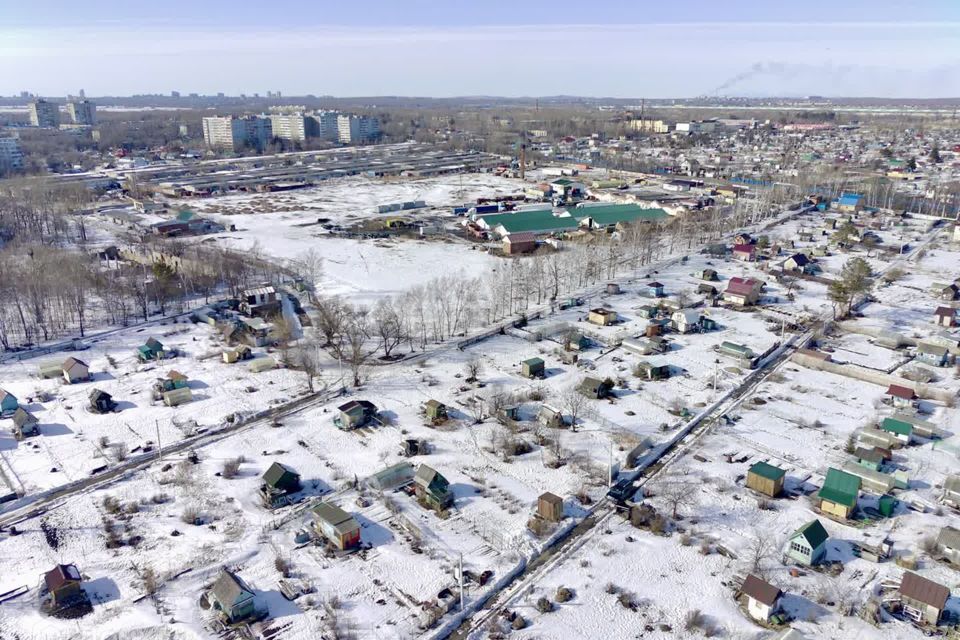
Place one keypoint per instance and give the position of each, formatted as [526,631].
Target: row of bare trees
[50,292]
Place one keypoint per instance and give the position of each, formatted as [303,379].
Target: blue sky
[491,47]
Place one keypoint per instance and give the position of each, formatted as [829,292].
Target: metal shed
[177,397]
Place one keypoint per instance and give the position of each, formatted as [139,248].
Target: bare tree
[351,348]
[309,265]
[332,315]
[473,367]
[760,551]
[308,359]
[388,326]
[575,405]
[677,491]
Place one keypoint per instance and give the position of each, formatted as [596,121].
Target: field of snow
[798,418]
[283,226]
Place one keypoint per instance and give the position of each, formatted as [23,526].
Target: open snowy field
[284,226]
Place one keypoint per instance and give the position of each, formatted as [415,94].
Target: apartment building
[44,114]
[354,129]
[11,156]
[294,127]
[82,112]
[328,127]
[235,133]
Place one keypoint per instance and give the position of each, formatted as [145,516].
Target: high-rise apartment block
[44,114]
[235,133]
[82,112]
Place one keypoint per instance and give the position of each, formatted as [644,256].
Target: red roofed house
[63,584]
[902,396]
[762,598]
[923,599]
[743,291]
[745,252]
[523,242]
[946,316]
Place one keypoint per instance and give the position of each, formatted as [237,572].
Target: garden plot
[623,578]
[75,441]
[860,350]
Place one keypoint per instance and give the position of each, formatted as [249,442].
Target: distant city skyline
[442,49]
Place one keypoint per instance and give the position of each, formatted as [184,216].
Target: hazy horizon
[616,50]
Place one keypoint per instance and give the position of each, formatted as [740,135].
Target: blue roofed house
[8,403]
[808,544]
[849,202]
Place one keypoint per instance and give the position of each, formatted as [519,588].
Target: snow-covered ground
[798,418]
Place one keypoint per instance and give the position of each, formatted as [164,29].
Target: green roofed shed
[839,493]
[898,427]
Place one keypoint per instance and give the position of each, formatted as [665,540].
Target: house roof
[840,487]
[61,575]
[275,473]
[22,417]
[899,391]
[522,236]
[949,537]
[265,290]
[945,312]
[70,362]
[551,498]
[898,427]
[813,532]
[4,394]
[799,259]
[744,248]
[153,344]
[230,590]
[767,471]
[531,362]
[760,590]
[871,454]
[850,199]
[739,349]
[335,516]
[537,220]
[655,285]
[353,405]
[426,475]
[926,591]
[952,483]
[742,286]
[932,349]
[609,214]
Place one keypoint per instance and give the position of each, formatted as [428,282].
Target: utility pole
[461,581]
[610,467]
[159,446]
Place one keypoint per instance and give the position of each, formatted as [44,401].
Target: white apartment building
[11,157]
[294,127]
[44,114]
[327,123]
[82,112]
[235,133]
[353,129]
